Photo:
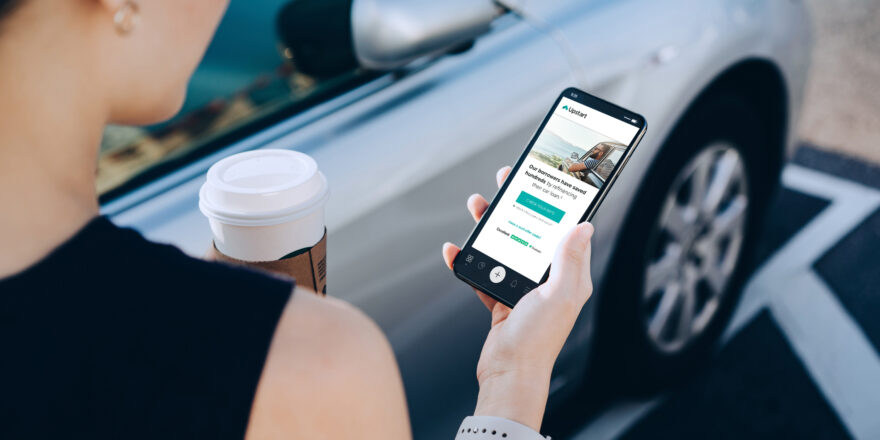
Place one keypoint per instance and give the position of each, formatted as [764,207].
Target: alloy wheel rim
[694,248]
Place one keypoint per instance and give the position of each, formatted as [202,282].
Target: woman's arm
[330,374]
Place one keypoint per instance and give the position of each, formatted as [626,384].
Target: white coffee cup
[264,204]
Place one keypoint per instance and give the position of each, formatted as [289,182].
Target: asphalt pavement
[841,110]
[800,356]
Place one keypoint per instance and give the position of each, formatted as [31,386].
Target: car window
[246,81]
[605,167]
[590,152]
[598,152]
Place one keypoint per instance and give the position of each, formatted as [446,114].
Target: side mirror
[317,34]
[329,37]
[389,34]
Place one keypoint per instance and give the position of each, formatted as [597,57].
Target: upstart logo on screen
[553,187]
[574,111]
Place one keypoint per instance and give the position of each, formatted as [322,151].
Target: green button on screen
[540,206]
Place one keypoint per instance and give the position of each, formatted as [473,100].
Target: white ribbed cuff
[495,428]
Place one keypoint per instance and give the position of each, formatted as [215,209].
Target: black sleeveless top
[112,336]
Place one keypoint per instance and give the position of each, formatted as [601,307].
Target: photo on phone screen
[557,184]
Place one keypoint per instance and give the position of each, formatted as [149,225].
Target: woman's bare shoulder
[330,373]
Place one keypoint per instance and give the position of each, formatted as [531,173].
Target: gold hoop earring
[126,17]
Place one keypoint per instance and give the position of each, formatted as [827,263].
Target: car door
[402,152]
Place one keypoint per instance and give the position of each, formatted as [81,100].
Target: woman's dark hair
[6,7]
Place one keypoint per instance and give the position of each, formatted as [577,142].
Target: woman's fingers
[477,205]
[501,175]
[210,254]
[487,300]
[450,251]
[570,270]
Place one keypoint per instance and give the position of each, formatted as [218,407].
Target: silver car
[410,106]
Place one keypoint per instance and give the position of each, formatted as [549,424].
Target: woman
[107,335]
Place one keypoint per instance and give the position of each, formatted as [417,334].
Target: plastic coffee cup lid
[263,188]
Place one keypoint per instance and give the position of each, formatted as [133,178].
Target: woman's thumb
[572,260]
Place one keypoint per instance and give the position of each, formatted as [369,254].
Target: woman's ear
[111,5]
[125,14]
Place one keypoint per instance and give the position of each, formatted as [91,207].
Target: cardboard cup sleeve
[308,266]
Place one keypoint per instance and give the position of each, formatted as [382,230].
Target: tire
[625,346]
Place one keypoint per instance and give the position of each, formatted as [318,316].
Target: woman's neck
[50,133]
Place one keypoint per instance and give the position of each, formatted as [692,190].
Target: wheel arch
[762,84]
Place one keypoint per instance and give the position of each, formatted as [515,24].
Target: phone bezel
[502,291]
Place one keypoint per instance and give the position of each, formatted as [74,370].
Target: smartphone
[559,181]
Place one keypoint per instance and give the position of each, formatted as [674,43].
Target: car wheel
[687,246]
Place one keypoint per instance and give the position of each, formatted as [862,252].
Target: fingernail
[588,229]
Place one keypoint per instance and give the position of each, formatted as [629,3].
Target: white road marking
[616,420]
[840,359]
[835,351]
[850,204]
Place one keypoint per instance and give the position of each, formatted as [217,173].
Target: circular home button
[497,274]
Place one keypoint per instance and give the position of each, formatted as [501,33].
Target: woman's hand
[523,343]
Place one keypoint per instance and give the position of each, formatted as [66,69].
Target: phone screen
[573,155]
